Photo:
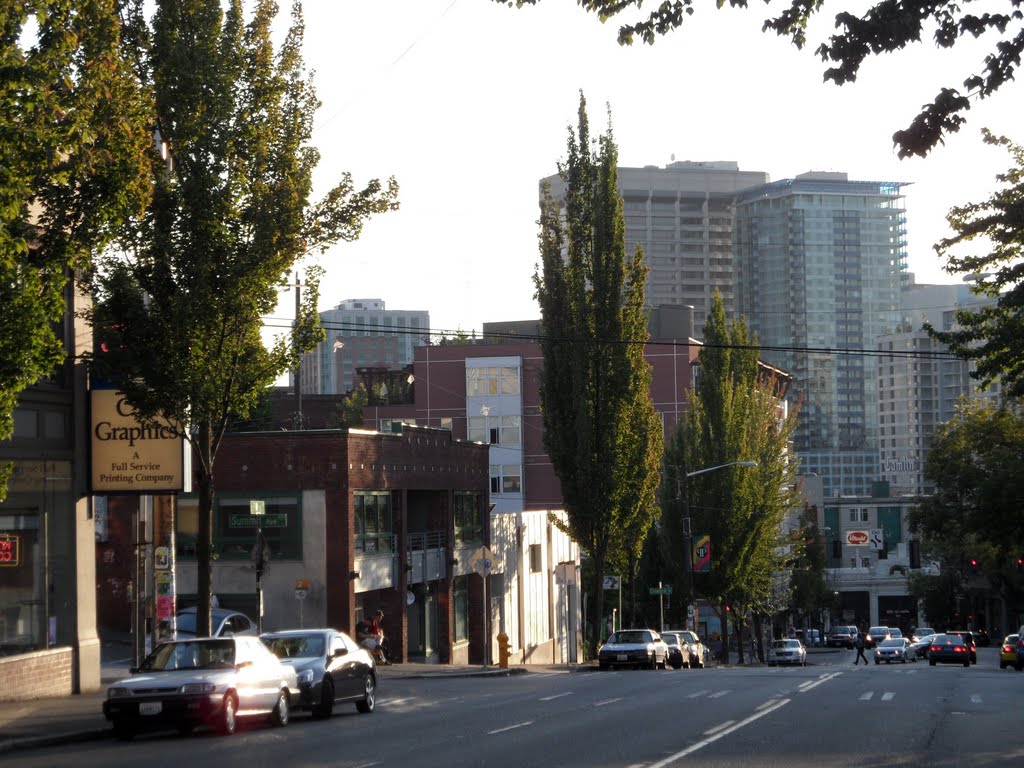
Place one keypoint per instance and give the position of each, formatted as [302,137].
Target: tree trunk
[204,539]
[597,619]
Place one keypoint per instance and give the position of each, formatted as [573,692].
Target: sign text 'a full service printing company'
[129,457]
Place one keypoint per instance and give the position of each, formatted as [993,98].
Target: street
[829,713]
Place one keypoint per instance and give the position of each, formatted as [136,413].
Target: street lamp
[688,533]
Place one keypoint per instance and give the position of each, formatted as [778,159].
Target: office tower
[920,384]
[361,333]
[682,215]
[819,261]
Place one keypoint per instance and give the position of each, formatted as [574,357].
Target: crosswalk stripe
[887,696]
[867,696]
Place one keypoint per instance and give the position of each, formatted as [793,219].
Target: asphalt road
[826,714]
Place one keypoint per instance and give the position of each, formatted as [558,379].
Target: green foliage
[350,409]
[993,336]
[600,427]
[733,416]
[72,144]
[885,27]
[977,509]
[182,302]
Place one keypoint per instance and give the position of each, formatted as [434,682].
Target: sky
[468,104]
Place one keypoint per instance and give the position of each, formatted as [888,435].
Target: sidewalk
[76,718]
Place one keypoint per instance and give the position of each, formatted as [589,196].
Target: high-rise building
[361,333]
[682,216]
[818,264]
[920,384]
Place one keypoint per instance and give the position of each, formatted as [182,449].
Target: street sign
[257,507]
[877,538]
[300,594]
[659,591]
[690,610]
[613,582]
[482,561]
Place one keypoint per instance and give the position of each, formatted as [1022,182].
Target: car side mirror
[340,652]
[243,664]
[132,670]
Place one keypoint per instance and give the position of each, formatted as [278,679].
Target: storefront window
[373,521]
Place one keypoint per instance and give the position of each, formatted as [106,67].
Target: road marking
[815,683]
[975,698]
[394,701]
[510,727]
[767,704]
[696,694]
[717,728]
[888,696]
[867,696]
[608,701]
[556,696]
[368,765]
[712,739]
[718,694]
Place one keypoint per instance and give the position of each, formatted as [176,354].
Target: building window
[492,380]
[373,521]
[469,527]
[460,605]
[536,565]
[506,478]
[858,515]
[494,430]
[235,526]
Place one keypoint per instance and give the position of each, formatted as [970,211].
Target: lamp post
[688,532]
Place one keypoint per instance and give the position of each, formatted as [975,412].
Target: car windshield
[878,631]
[786,644]
[671,639]
[192,654]
[185,622]
[893,643]
[295,646]
[628,637]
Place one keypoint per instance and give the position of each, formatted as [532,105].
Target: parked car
[812,638]
[330,667]
[678,650]
[1020,648]
[1008,652]
[876,635]
[223,623]
[787,652]
[202,681]
[698,651]
[968,638]
[633,648]
[893,649]
[919,648]
[981,638]
[919,633]
[948,649]
[841,636]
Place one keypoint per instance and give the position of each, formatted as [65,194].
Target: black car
[949,649]
[968,638]
[330,667]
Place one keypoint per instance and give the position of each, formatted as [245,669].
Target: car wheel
[931,662]
[228,715]
[123,729]
[369,700]
[602,665]
[323,710]
[279,717]
[967,663]
[1002,665]
[184,729]
[876,661]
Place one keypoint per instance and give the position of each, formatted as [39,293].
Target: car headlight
[197,688]
[118,693]
[305,677]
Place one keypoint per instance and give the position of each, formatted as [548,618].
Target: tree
[350,410]
[600,428]
[975,511]
[733,415]
[72,150]
[181,304]
[993,336]
[885,27]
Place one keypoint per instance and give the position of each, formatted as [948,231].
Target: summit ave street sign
[659,591]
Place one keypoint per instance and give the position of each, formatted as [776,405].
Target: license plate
[150,708]
[622,657]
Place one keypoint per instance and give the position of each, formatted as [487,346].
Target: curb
[54,740]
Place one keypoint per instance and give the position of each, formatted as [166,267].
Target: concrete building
[819,261]
[48,641]
[682,215]
[361,333]
[920,384]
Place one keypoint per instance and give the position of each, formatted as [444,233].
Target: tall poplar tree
[733,415]
[72,165]
[600,428]
[183,300]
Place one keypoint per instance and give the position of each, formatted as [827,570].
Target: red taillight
[960,648]
[1007,648]
[935,648]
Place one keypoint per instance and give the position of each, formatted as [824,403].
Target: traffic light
[972,565]
[1020,565]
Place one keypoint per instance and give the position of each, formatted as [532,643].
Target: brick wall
[41,674]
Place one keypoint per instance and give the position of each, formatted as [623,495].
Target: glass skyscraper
[818,263]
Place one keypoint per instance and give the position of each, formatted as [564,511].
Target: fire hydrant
[503,650]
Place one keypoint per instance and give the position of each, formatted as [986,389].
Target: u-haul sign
[857,538]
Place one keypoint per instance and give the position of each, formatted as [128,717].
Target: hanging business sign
[857,538]
[128,457]
[701,555]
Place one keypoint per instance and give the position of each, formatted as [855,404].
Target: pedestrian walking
[858,643]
